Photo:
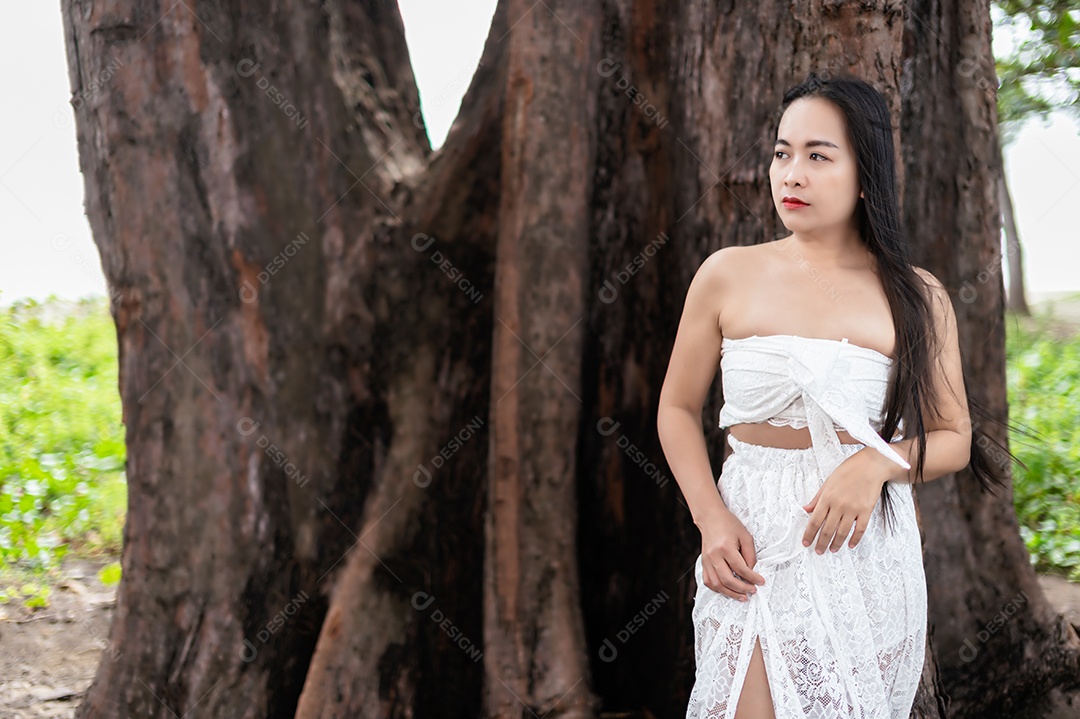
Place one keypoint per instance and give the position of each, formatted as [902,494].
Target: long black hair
[911,391]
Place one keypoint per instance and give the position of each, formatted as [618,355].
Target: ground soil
[48,655]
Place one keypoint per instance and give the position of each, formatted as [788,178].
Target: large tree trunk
[391,413]
[246,173]
[1000,646]
[536,656]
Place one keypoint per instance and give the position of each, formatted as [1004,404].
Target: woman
[829,341]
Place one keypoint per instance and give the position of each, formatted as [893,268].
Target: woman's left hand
[846,498]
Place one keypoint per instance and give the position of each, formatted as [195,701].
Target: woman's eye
[778,155]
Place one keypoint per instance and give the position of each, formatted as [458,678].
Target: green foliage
[1043,374]
[61,440]
[110,573]
[32,590]
[1041,72]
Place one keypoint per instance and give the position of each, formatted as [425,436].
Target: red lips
[789,200]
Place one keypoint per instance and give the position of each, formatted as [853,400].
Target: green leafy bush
[1043,375]
[61,439]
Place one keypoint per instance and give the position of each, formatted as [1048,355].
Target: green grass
[1043,376]
[62,485]
[62,451]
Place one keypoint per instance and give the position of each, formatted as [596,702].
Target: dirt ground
[48,655]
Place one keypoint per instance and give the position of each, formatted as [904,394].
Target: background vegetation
[1043,375]
[62,441]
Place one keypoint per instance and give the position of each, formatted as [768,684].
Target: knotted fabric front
[802,380]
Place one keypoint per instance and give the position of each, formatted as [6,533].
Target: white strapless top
[826,385]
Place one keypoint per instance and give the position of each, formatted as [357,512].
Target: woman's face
[814,162]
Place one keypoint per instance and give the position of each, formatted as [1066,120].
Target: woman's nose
[794,175]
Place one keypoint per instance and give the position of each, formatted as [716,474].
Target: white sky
[46,247]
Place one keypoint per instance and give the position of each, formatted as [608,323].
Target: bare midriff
[781,437]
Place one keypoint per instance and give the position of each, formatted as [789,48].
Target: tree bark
[535,654]
[391,413]
[986,608]
[412,643]
[1016,297]
[245,172]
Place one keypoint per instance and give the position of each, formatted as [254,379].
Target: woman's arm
[948,436]
[691,371]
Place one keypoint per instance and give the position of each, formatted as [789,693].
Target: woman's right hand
[727,553]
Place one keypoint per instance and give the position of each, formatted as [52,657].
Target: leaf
[110,573]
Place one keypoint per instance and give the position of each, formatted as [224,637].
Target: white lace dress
[842,634]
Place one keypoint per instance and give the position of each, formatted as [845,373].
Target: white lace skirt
[842,633]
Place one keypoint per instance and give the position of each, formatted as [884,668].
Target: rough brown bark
[1016,297]
[1000,646]
[362,494]
[535,654]
[265,249]
[409,639]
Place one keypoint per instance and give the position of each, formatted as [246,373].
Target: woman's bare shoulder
[725,264]
[716,284]
[936,288]
[926,275]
